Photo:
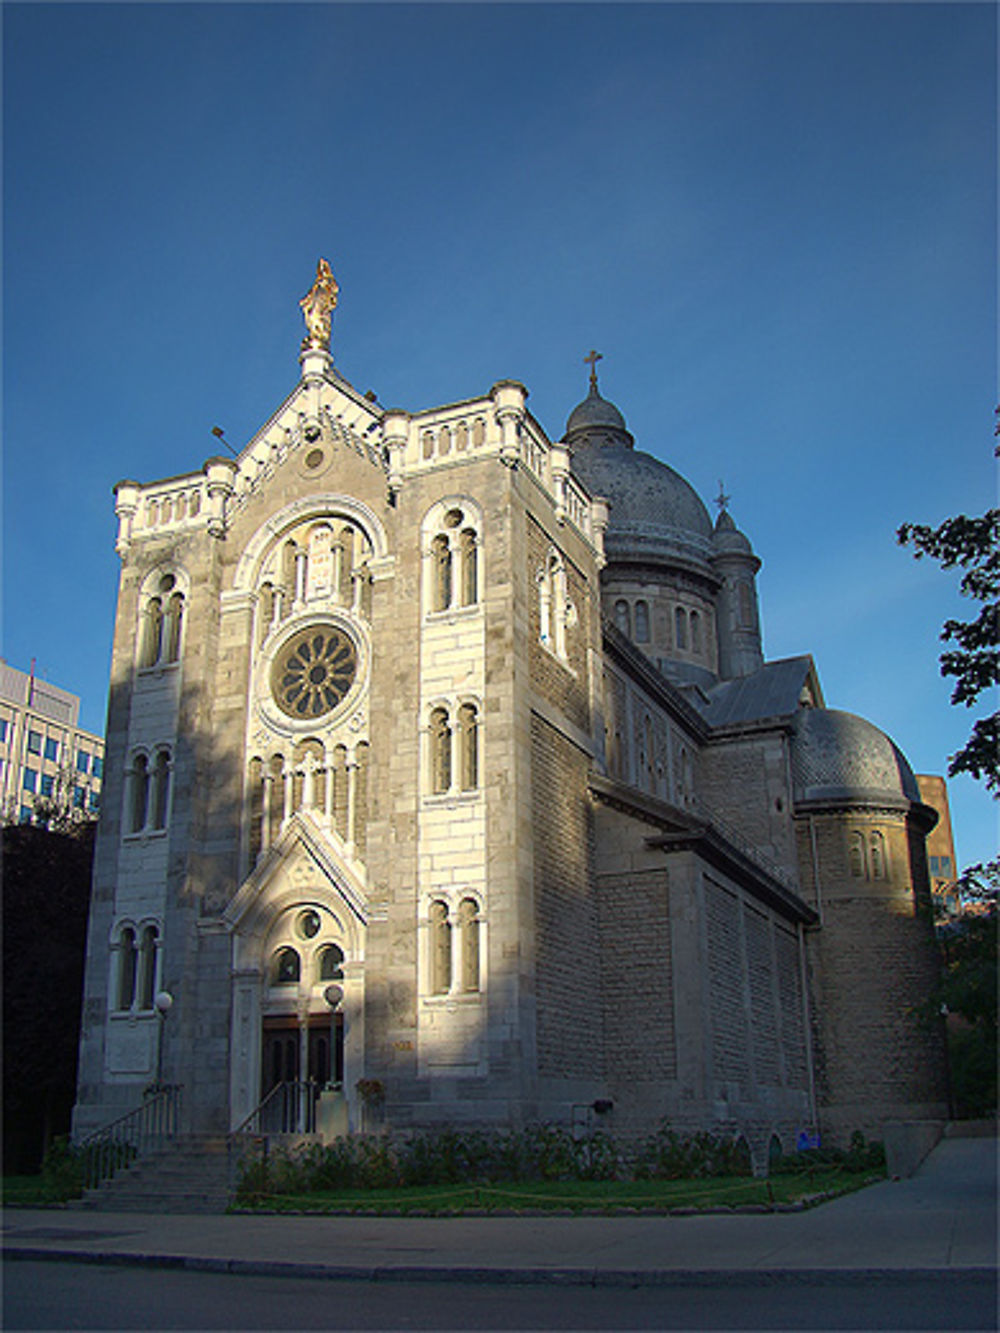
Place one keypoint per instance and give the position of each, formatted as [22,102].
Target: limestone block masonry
[445,774]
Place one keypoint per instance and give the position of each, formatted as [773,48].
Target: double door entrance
[311,1051]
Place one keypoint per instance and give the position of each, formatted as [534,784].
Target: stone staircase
[189,1175]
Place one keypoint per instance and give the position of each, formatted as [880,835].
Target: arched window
[286,967]
[174,624]
[440,745]
[622,618]
[441,555]
[876,848]
[555,611]
[152,632]
[440,949]
[468,728]
[695,625]
[126,968]
[331,963]
[744,597]
[139,803]
[856,856]
[642,622]
[147,967]
[680,628]
[467,547]
[468,917]
[161,789]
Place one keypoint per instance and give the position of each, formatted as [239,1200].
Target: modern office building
[46,759]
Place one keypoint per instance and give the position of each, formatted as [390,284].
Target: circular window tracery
[314,671]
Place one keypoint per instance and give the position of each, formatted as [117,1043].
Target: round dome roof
[840,757]
[595,413]
[727,536]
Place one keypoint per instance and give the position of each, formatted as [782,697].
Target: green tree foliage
[973,545]
[46,897]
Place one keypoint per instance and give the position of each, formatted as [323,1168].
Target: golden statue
[318,305]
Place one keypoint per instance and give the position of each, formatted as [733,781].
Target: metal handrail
[289,1108]
[131,1135]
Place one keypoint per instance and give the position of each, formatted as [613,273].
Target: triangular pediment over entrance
[302,865]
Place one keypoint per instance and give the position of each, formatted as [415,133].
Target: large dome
[655,513]
[840,757]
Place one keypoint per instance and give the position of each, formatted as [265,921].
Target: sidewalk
[940,1222]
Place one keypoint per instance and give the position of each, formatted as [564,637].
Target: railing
[131,1136]
[289,1108]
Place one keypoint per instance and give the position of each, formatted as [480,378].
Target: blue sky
[777,222]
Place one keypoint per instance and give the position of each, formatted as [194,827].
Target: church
[444,767]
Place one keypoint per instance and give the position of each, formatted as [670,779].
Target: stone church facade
[444,754]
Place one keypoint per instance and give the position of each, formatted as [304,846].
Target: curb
[566,1277]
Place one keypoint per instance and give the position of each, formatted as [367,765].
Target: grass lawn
[592,1196]
[28,1190]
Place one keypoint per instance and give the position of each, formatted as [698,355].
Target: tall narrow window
[468,915]
[856,856]
[440,949]
[876,847]
[468,726]
[152,633]
[695,632]
[126,968]
[440,739]
[161,789]
[642,622]
[680,628]
[467,546]
[174,624]
[147,967]
[745,600]
[140,794]
[441,556]
[622,616]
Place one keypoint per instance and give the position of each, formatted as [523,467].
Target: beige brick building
[444,754]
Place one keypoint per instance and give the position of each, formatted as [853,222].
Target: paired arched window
[454,947]
[453,579]
[866,854]
[137,967]
[162,624]
[556,613]
[148,790]
[453,742]
[623,617]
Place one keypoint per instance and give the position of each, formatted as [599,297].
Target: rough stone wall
[637,976]
[872,962]
[744,784]
[567,943]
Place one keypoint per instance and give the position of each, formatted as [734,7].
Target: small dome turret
[839,757]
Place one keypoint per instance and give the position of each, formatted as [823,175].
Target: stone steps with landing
[190,1175]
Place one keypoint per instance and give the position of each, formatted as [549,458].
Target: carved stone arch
[325,507]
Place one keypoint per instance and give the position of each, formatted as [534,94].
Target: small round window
[313,672]
[309,924]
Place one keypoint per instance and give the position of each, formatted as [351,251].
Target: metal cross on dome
[722,499]
[592,361]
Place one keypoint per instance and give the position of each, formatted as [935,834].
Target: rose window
[313,672]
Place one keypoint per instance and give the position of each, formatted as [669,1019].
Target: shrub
[62,1170]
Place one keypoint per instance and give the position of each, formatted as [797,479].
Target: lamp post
[162,1003]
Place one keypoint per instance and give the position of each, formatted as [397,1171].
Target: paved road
[919,1254]
[82,1296]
